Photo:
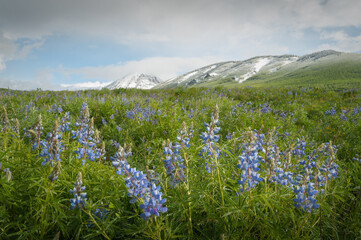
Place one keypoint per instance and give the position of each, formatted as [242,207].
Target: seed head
[55,173]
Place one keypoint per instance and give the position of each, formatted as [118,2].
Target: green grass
[203,207]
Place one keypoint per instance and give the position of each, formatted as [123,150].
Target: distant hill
[325,68]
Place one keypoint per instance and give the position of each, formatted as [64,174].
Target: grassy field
[197,163]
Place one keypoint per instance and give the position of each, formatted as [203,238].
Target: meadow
[199,163]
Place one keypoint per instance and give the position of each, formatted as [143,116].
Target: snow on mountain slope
[140,81]
[238,70]
[257,66]
[251,69]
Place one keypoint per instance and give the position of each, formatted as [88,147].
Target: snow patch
[256,68]
[209,69]
[283,64]
[190,75]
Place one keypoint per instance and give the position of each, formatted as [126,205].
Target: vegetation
[198,163]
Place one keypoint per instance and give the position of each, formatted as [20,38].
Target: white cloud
[341,41]
[2,64]
[182,22]
[162,67]
[9,50]
[85,85]
[43,79]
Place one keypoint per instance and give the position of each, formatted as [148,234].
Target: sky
[74,44]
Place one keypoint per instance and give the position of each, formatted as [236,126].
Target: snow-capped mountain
[140,81]
[255,68]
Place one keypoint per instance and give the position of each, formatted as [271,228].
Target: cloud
[43,79]
[162,67]
[11,50]
[171,21]
[341,41]
[85,85]
[7,51]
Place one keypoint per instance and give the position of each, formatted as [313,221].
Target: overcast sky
[77,43]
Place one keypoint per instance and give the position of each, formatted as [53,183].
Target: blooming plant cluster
[51,148]
[140,187]
[249,162]
[173,162]
[84,135]
[209,139]
[79,200]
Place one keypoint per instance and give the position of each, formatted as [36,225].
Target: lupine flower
[138,185]
[229,136]
[265,108]
[209,137]
[249,162]
[173,162]
[7,173]
[99,215]
[103,121]
[4,118]
[35,132]
[52,109]
[79,199]
[343,117]
[357,158]
[64,124]
[16,127]
[331,112]
[305,197]
[52,146]
[310,174]
[184,135]
[84,136]
[153,203]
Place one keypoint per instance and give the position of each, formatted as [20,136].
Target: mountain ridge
[270,69]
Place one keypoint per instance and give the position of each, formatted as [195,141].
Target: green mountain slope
[328,68]
[340,71]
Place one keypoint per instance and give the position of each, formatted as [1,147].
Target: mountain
[140,81]
[319,68]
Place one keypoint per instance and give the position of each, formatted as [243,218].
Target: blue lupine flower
[305,197]
[357,158]
[79,199]
[153,203]
[138,185]
[209,138]
[99,215]
[51,148]
[229,136]
[103,121]
[64,122]
[331,112]
[343,117]
[35,132]
[84,136]
[173,163]
[119,129]
[249,163]
[265,108]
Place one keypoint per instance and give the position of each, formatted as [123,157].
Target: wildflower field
[181,164]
